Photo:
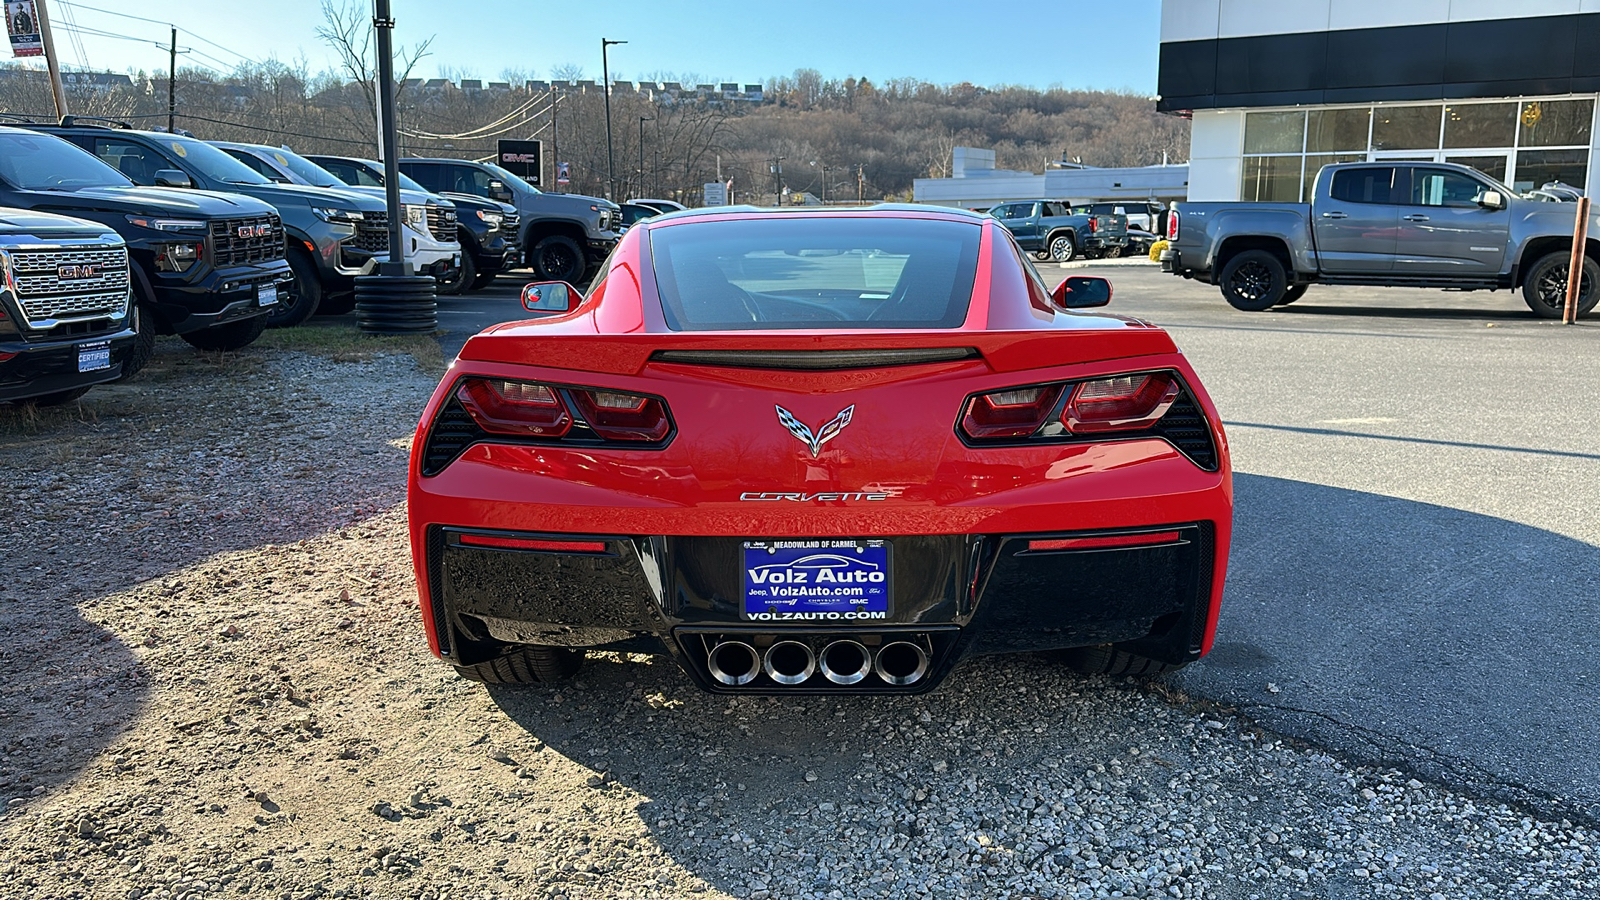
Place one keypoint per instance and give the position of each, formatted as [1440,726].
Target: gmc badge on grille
[79,273]
[254,231]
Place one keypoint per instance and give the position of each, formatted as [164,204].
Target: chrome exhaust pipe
[790,662]
[901,663]
[734,663]
[845,662]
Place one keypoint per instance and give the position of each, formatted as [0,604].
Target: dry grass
[339,342]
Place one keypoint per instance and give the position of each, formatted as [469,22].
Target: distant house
[471,85]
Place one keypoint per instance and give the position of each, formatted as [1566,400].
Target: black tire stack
[396,304]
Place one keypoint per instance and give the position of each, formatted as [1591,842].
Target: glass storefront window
[1551,123]
[1274,132]
[1536,168]
[1492,166]
[1273,179]
[1406,127]
[1479,125]
[1338,130]
[1314,164]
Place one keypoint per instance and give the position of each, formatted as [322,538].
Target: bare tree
[348,31]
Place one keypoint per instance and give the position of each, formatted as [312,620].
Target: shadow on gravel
[1457,644]
[1518,313]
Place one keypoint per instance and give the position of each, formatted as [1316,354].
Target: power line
[112,12]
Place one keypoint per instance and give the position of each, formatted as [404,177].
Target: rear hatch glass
[784,271]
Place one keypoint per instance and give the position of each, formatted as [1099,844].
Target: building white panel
[1216,132]
[1473,10]
[1192,20]
[1347,14]
[1243,18]
[1215,179]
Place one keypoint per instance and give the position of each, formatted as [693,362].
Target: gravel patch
[216,684]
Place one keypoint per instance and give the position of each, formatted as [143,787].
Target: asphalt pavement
[1415,574]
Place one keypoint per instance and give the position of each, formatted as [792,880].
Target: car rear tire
[460,279]
[482,280]
[1545,288]
[1042,255]
[303,296]
[1106,659]
[558,258]
[1254,281]
[232,336]
[58,398]
[527,664]
[1295,292]
[1063,247]
[144,342]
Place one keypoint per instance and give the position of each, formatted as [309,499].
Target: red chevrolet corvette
[822,452]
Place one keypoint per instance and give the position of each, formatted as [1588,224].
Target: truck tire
[558,258]
[1106,659]
[526,664]
[1295,292]
[1253,281]
[144,341]
[1545,287]
[1062,246]
[459,281]
[227,337]
[336,304]
[482,280]
[300,301]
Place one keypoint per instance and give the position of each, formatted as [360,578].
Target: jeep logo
[254,231]
[78,273]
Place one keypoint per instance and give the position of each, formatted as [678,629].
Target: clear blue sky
[1073,43]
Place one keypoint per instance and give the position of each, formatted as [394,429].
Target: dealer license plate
[816,580]
[94,357]
[267,295]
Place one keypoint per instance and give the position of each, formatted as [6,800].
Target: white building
[977,184]
[1279,88]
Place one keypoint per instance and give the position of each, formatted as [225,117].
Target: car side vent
[816,359]
[1185,427]
[453,431]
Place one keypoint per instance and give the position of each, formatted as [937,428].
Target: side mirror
[550,296]
[1082,292]
[174,178]
[1491,200]
[498,191]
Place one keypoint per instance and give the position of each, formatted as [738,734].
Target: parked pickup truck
[1388,224]
[1051,231]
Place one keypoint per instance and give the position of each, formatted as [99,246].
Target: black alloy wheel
[460,279]
[1545,289]
[558,258]
[1254,281]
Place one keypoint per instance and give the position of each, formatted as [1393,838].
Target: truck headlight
[416,216]
[167,224]
[334,215]
[491,219]
[177,257]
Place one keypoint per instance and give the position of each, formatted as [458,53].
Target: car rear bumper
[33,370]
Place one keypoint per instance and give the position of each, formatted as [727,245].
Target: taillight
[515,407]
[1172,225]
[499,542]
[623,417]
[1018,412]
[1123,403]
[1093,225]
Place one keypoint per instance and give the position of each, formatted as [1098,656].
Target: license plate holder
[267,295]
[820,580]
[94,357]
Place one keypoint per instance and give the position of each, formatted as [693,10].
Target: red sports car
[819,452]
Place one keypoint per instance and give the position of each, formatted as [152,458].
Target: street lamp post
[642,120]
[611,160]
[777,177]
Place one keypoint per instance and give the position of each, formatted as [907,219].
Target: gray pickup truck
[1389,224]
[1050,230]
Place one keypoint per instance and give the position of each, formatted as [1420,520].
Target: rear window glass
[790,272]
[1366,185]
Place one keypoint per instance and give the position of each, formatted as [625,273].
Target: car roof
[878,210]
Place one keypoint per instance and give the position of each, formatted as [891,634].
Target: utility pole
[825,168]
[642,120]
[555,141]
[172,85]
[861,180]
[56,90]
[611,157]
[777,177]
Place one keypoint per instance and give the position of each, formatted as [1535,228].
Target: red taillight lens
[1012,413]
[1123,403]
[1107,542]
[1093,225]
[545,546]
[623,417]
[1172,225]
[515,407]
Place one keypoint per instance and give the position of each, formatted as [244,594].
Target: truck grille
[509,224]
[372,234]
[45,295]
[442,223]
[252,239]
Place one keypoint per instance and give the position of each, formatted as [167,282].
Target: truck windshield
[509,178]
[315,175]
[38,162]
[785,271]
[209,161]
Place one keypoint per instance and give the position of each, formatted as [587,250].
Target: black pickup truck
[206,267]
[64,307]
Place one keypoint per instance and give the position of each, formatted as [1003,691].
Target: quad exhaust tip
[734,663]
[845,662]
[790,662]
[901,663]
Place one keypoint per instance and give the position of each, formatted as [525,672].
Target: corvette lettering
[779,497]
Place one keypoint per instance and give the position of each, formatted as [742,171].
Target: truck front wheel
[1253,281]
[1545,288]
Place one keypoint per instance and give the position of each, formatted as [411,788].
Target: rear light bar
[541,544]
[1103,543]
[1120,403]
[565,413]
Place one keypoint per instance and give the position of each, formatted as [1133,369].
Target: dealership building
[1279,88]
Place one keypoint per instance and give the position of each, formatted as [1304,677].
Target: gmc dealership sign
[522,158]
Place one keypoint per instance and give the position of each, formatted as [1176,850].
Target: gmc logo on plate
[78,273]
[254,231]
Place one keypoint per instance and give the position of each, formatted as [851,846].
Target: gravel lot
[216,683]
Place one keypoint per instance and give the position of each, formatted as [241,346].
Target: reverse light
[515,407]
[1017,412]
[1123,403]
[513,543]
[623,417]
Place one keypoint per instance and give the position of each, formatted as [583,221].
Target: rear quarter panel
[1204,229]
